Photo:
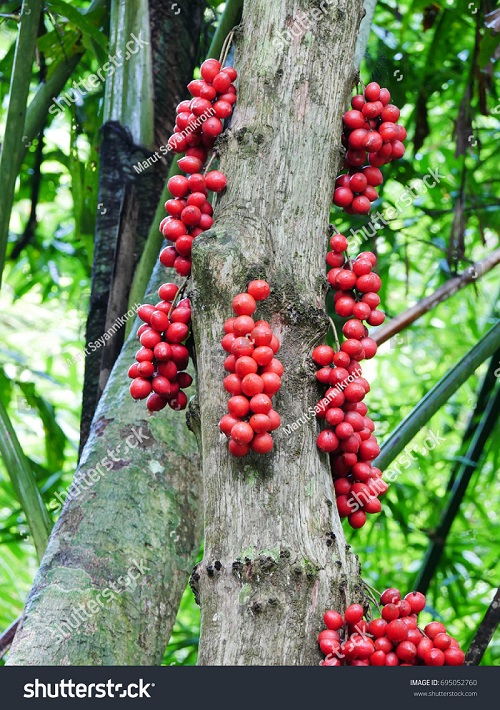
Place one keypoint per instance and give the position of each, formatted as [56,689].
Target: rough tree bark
[146,508]
[275,552]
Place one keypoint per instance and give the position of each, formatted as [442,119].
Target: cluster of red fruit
[199,122]
[348,437]
[370,128]
[392,640]
[255,375]
[159,371]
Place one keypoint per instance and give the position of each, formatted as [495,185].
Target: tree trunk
[275,552]
[142,513]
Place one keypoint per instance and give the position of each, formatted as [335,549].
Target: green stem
[230,17]
[18,96]
[438,396]
[457,494]
[24,484]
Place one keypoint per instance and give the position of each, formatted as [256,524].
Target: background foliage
[437,60]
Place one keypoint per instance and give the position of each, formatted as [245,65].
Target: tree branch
[485,632]
[405,319]
[8,636]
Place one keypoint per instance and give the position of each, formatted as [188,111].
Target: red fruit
[238,450]
[357,519]
[345,306]
[390,113]
[372,91]
[227,423]
[353,613]
[377,628]
[361,204]
[397,631]
[242,433]
[333,620]
[232,384]
[406,650]
[343,197]
[358,182]
[272,383]
[161,385]
[275,419]
[334,259]
[261,335]
[238,406]
[221,82]
[454,657]
[404,608]
[442,641]
[354,329]
[260,404]
[176,332]
[354,119]
[168,257]
[378,659]
[274,366]
[416,600]
[215,180]
[159,321]
[245,365]
[356,141]
[197,183]
[182,265]
[178,186]
[140,388]
[244,304]
[167,292]
[259,289]
[156,402]
[209,69]
[185,380]
[134,371]
[434,657]
[433,629]
[323,355]
[372,109]
[181,315]
[162,352]
[327,441]
[334,416]
[260,423]
[357,102]
[190,164]
[243,325]
[338,243]
[241,346]
[252,385]
[263,356]
[345,279]
[212,127]
[390,612]
[262,443]
[383,644]
[373,176]
[391,660]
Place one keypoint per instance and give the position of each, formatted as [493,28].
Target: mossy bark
[140,513]
[275,552]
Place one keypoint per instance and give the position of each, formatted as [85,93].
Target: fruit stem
[226,47]
[178,295]
[335,334]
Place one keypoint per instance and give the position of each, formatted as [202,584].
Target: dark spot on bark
[348,547]
[285,554]
[329,542]
[100,426]
[338,563]
[273,602]
[218,565]
[117,465]
[256,607]
[237,566]
[210,570]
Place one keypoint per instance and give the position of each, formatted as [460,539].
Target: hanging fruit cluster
[255,375]
[159,373]
[370,130]
[348,436]
[393,639]
[198,123]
